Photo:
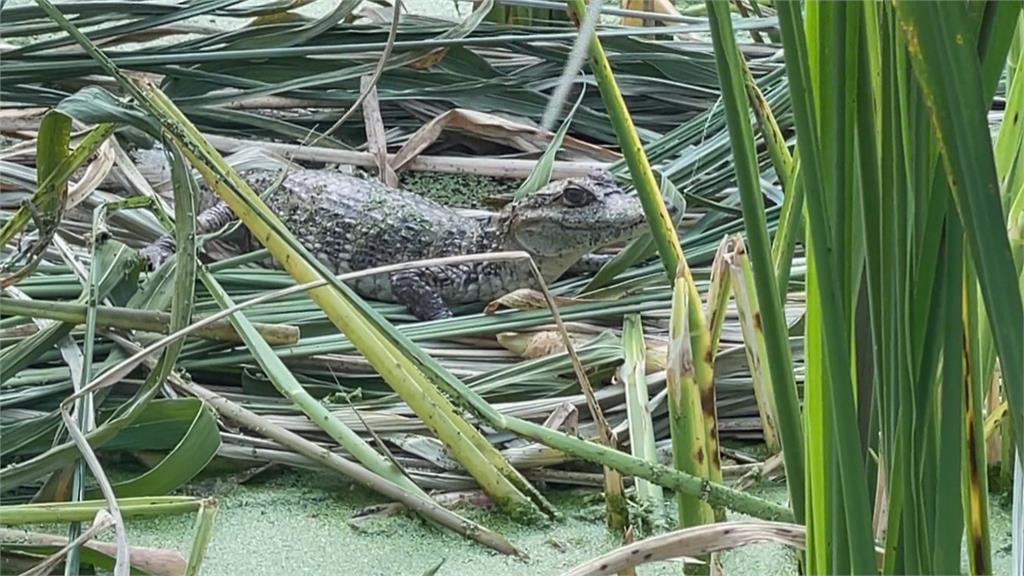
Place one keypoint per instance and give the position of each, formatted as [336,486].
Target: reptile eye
[576,196]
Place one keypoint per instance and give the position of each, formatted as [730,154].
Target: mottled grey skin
[353,224]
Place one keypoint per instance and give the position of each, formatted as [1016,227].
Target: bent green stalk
[285,383]
[143,320]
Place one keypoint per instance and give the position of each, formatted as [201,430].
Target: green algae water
[298,522]
[306,523]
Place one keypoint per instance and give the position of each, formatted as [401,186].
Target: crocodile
[352,224]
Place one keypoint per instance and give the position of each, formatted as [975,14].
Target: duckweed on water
[298,522]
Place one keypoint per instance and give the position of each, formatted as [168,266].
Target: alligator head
[570,218]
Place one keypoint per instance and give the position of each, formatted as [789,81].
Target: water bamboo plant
[897,164]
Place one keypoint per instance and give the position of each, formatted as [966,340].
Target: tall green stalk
[939,33]
[662,230]
[665,238]
[749,310]
[684,411]
[975,464]
[897,164]
[772,318]
[836,334]
[633,375]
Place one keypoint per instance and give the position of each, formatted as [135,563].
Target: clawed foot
[155,254]
[415,289]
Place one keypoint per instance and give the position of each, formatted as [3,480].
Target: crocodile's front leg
[209,220]
[414,290]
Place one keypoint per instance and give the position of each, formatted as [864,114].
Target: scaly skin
[353,224]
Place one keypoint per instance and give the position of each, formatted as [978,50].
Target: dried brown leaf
[692,542]
[528,299]
[496,129]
